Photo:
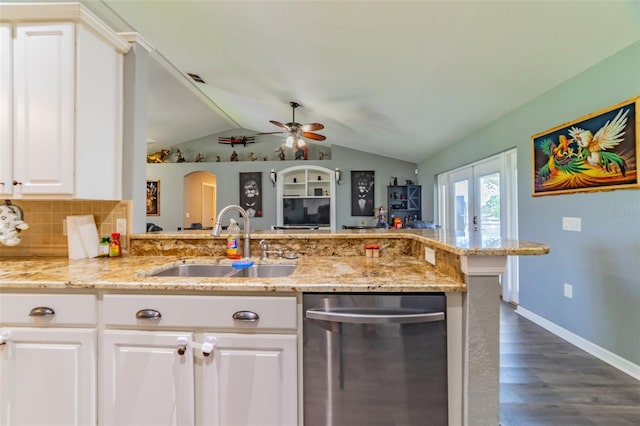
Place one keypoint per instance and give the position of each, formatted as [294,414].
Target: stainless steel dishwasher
[375,359]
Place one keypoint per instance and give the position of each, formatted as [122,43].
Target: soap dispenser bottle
[233,240]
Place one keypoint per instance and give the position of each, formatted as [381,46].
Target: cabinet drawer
[208,312]
[64,309]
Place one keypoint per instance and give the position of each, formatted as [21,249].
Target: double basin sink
[227,271]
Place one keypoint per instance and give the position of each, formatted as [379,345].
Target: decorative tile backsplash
[45,234]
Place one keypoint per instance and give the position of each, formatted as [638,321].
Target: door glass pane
[461,224]
[490,207]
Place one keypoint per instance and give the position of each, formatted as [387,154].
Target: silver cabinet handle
[150,314]
[246,316]
[374,315]
[41,311]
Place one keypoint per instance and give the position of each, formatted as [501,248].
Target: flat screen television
[306,211]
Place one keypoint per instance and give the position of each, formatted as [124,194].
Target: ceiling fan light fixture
[294,131]
[290,140]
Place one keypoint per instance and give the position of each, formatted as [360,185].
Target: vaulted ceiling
[402,79]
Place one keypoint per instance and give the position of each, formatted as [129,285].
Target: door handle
[375,315]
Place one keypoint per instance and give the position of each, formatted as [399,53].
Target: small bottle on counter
[372,250]
[233,240]
[397,223]
[115,249]
[103,247]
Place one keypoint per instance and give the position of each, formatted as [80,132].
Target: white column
[136,65]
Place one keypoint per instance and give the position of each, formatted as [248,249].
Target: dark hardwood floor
[546,381]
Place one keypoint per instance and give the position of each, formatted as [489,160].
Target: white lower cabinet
[185,360]
[48,377]
[145,380]
[48,359]
[248,380]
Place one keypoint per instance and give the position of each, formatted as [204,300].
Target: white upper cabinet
[44,109]
[62,90]
[6,109]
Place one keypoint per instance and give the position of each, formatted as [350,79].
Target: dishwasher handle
[374,315]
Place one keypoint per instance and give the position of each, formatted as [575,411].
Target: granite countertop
[329,261]
[312,274]
[430,237]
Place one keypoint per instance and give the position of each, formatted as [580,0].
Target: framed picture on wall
[596,152]
[153,198]
[362,193]
[251,193]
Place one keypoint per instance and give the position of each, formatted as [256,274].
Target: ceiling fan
[297,131]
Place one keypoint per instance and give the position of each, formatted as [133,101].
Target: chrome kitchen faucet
[217,227]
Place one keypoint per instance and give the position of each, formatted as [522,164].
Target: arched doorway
[199,199]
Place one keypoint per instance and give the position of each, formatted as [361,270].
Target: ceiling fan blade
[270,133]
[311,127]
[314,136]
[279,124]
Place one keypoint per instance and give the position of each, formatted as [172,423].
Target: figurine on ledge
[381,217]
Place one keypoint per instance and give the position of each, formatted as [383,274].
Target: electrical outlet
[121,226]
[572,224]
[430,255]
[187,215]
[568,291]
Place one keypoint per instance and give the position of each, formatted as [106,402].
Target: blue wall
[603,261]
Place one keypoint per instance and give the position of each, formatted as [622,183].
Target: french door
[478,203]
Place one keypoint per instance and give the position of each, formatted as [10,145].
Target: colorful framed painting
[362,185]
[597,152]
[153,198]
[251,193]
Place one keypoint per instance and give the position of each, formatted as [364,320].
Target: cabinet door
[44,80]
[249,380]
[414,195]
[145,381]
[6,110]
[48,377]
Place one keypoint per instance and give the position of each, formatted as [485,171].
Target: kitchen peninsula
[328,261]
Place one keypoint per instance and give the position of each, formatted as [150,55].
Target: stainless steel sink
[205,270]
[195,270]
[266,271]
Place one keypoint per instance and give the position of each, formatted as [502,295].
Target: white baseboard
[610,358]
